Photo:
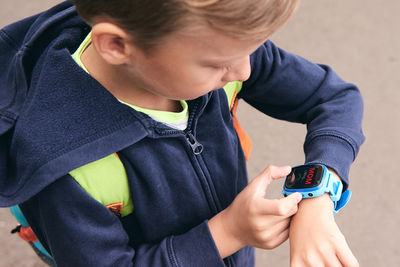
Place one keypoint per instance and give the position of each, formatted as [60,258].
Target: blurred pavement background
[360,39]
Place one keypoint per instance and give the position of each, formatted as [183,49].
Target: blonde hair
[246,19]
[148,21]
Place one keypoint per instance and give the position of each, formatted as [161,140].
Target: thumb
[264,179]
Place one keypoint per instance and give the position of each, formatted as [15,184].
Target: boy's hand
[315,238]
[252,220]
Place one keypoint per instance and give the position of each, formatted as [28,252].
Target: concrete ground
[360,40]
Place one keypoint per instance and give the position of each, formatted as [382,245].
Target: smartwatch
[314,180]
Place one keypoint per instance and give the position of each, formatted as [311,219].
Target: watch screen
[304,177]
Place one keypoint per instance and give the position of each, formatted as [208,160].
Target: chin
[220,86]
[191,97]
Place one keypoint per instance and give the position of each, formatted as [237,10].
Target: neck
[117,81]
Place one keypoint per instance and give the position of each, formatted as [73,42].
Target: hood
[53,116]
[19,43]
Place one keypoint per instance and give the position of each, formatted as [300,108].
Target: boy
[144,81]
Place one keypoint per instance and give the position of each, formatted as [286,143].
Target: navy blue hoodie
[55,118]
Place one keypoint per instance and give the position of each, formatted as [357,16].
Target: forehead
[208,45]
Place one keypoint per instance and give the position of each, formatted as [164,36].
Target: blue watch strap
[344,199]
[335,189]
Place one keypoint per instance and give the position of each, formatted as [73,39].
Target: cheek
[198,78]
[178,82]
[208,76]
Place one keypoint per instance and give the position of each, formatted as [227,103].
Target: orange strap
[244,139]
[116,208]
[27,234]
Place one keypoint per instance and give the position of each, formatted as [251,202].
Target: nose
[239,71]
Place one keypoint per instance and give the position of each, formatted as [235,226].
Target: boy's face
[187,66]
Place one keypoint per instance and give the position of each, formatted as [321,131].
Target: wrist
[314,210]
[225,240]
[321,204]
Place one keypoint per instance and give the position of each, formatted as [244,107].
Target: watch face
[307,176]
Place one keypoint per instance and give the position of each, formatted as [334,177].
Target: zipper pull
[196,146]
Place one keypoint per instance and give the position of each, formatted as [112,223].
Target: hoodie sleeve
[79,231]
[288,87]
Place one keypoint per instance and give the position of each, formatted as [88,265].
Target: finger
[270,235]
[332,261]
[307,260]
[290,203]
[265,178]
[288,206]
[328,256]
[275,225]
[280,226]
[285,207]
[279,240]
[277,172]
[346,257]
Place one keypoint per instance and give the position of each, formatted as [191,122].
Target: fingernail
[287,169]
[299,197]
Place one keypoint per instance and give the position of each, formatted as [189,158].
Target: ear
[112,43]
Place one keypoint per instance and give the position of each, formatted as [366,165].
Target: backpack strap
[26,233]
[231,90]
[104,179]
[107,182]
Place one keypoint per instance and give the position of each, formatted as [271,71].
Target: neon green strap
[106,181]
[78,53]
[231,89]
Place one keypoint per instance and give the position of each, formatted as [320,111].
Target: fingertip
[297,196]
[277,172]
[286,169]
[290,204]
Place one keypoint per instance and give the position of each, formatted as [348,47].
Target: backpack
[115,197]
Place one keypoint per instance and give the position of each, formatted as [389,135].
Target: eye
[218,67]
[215,66]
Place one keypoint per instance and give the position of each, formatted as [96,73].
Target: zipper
[198,163]
[197,148]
